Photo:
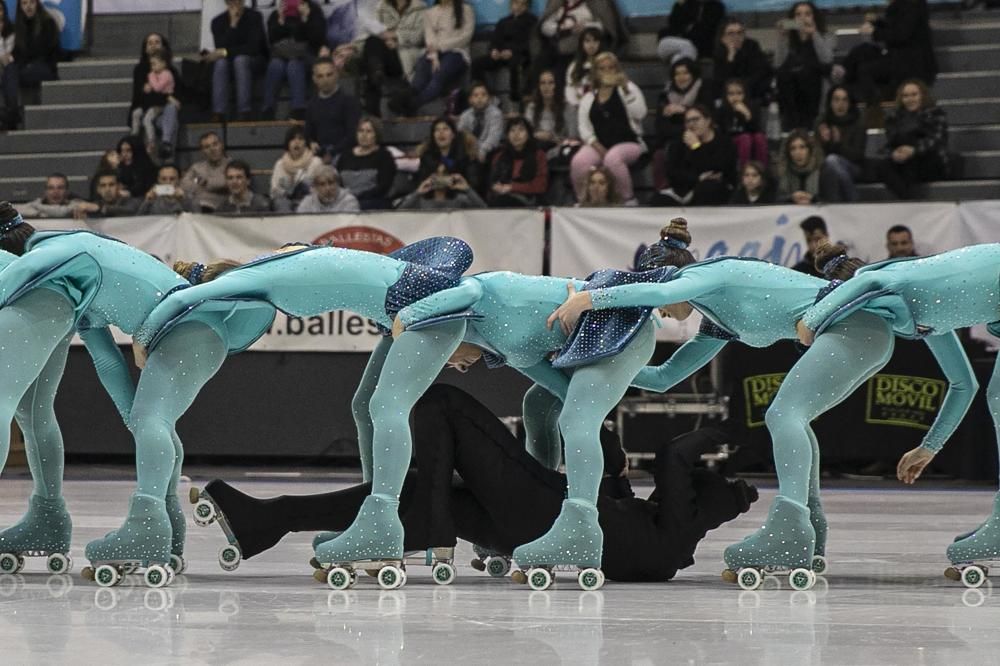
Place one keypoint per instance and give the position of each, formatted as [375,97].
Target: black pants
[516,65]
[380,64]
[906,180]
[799,92]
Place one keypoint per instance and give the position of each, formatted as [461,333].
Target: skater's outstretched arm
[688,359]
[448,301]
[962,387]
[111,367]
[843,300]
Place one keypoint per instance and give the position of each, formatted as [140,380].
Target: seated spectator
[691,29]
[111,201]
[509,47]
[327,196]
[166,197]
[392,55]
[578,76]
[799,165]
[293,173]
[9,113]
[756,187]
[842,136]
[331,115]
[701,167]
[35,53]
[240,53]
[442,191]
[483,120]
[109,162]
[368,169]
[610,124]
[740,119]
[448,29]
[685,89]
[136,172]
[241,198]
[446,149]
[740,57]
[561,24]
[550,115]
[805,54]
[815,233]
[205,181]
[917,136]
[520,175]
[296,32]
[899,242]
[599,189]
[167,120]
[158,94]
[57,201]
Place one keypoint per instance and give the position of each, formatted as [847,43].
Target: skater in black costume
[507,498]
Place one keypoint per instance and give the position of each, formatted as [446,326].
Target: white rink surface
[884,602]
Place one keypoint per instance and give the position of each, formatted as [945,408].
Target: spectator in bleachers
[327,195]
[448,29]
[445,147]
[685,89]
[756,187]
[296,32]
[109,162]
[519,175]
[110,201]
[549,114]
[805,53]
[240,53]
[294,171]
[167,120]
[8,78]
[391,55]
[578,76]
[57,201]
[610,125]
[158,95]
[691,29]
[241,198]
[740,57]
[205,181]
[368,169]
[331,115]
[599,189]
[36,50]
[815,233]
[483,120]
[442,191]
[166,197]
[509,47]
[560,27]
[899,242]
[917,136]
[136,172]
[701,167]
[842,136]
[799,165]
[901,49]
[741,120]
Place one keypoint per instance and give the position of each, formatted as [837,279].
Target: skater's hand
[140,355]
[912,464]
[569,312]
[806,335]
[397,327]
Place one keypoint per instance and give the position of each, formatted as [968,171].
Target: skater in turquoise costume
[311,280]
[941,292]
[758,304]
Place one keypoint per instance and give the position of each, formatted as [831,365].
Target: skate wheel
[498,567]
[106,575]
[443,573]
[591,579]
[539,579]
[8,563]
[952,573]
[204,513]
[801,579]
[729,576]
[478,564]
[749,579]
[339,578]
[820,566]
[177,564]
[519,577]
[390,577]
[58,563]
[229,557]
[194,494]
[973,576]
[156,576]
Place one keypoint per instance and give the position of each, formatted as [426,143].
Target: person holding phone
[166,197]
[805,51]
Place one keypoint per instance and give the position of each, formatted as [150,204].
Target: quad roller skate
[493,562]
[141,543]
[340,577]
[972,555]
[574,543]
[206,512]
[44,531]
[784,544]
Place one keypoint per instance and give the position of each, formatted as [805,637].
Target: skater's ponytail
[833,262]
[196,273]
[671,250]
[14,231]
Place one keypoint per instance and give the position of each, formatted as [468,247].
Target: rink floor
[884,601]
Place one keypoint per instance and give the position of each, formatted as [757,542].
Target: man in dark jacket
[331,115]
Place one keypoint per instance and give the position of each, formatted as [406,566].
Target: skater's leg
[361,404]
[540,411]
[178,521]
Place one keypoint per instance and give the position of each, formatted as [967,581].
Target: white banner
[136,7]
[502,240]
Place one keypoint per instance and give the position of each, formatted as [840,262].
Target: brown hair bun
[677,230]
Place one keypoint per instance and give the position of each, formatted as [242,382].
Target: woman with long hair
[916,135]
[800,165]
[599,189]
[519,174]
[136,171]
[842,136]
[448,30]
[8,78]
[805,63]
[168,121]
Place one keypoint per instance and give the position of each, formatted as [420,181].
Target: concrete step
[87,91]
[967,85]
[236,135]
[51,116]
[947,190]
[966,32]
[980,111]
[980,164]
[966,58]
[962,139]
[39,165]
[25,188]
[98,68]
[69,140]
[257,158]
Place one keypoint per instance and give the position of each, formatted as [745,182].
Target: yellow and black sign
[759,391]
[903,400]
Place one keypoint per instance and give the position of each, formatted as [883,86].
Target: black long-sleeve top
[696,21]
[41,47]
[749,64]
[514,33]
[332,121]
[312,32]
[926,130]
[246,38]
[367,176]
[684,165]
[731,122]
[906,32]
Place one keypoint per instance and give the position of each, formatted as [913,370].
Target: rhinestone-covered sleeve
[448,301]
[962,387]
[688,359]
[833,304]
[650,294]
